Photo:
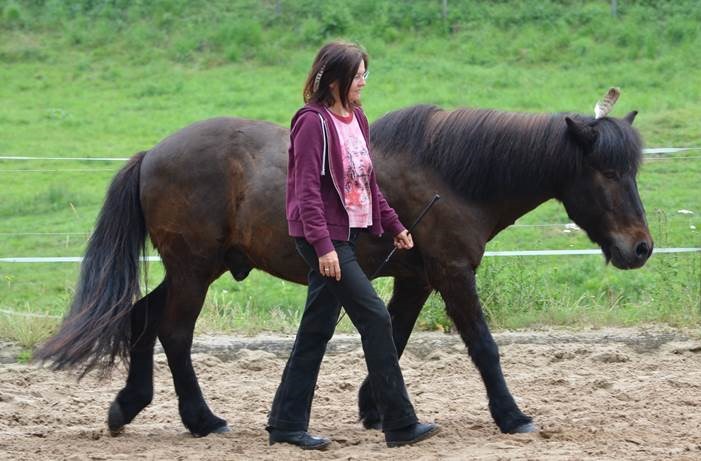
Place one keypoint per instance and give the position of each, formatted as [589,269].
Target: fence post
[444,10]
[614,8]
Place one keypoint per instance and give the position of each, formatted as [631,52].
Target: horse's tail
[97,328]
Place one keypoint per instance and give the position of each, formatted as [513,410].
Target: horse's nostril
[642,250]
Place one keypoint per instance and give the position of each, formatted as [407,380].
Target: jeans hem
[399,423]
[286,425]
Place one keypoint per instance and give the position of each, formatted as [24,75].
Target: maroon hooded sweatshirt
[315,204]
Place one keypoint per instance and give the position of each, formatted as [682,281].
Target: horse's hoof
[219,430]
[525,428]
[222,430]
[115,419]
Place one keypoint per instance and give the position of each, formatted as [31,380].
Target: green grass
[26,331]
[107,78]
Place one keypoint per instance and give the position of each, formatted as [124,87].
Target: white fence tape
[667,150]
[59,259]
[671,157]
[77,259]
[566,227]
[579,252]
[82,159]
[648,151]
[60,234]
[112,170]
[71,170]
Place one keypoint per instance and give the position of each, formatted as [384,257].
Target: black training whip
[410,229]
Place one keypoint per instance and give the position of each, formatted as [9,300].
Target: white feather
[602,108]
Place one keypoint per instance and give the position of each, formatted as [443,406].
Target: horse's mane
[487,153]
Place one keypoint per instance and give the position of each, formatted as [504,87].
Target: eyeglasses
[363,76]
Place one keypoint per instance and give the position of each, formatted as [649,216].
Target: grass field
[108,79]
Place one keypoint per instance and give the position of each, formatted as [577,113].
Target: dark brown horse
[211,198]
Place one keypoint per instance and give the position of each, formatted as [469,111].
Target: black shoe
[302,439]
[411,434]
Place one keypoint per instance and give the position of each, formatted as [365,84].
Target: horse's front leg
[458,288]
[408,297]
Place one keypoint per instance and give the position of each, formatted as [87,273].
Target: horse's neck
[506,211]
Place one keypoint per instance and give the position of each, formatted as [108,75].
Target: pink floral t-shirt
[356,170]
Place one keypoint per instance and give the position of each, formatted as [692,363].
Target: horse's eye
[611,174]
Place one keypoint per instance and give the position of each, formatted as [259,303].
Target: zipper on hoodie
[333,180]
[323,155]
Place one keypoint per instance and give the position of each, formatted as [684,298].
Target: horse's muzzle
[629,255]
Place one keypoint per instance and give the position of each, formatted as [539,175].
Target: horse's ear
[582,132]
[630,117]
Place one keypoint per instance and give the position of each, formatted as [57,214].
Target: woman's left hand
[403,240]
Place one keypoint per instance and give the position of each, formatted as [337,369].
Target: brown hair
[335,62]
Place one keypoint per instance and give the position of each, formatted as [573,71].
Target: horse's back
[201,147]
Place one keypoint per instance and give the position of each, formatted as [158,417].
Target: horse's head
[603,197]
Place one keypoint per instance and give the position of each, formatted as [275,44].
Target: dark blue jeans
[325,296]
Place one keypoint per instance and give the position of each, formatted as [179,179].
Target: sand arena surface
[612,394]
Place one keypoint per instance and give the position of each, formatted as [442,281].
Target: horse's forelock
[618,146]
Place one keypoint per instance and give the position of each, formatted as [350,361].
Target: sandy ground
[613,394]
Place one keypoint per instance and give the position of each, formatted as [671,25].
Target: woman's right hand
[329,266]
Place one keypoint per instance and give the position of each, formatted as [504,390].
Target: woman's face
[357,85]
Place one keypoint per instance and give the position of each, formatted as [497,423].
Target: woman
[332,195]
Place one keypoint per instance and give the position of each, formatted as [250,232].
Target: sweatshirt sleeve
[308,142]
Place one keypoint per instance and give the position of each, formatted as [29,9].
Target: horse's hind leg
[138,391]
[458,289]
[186,294]
[408,297]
